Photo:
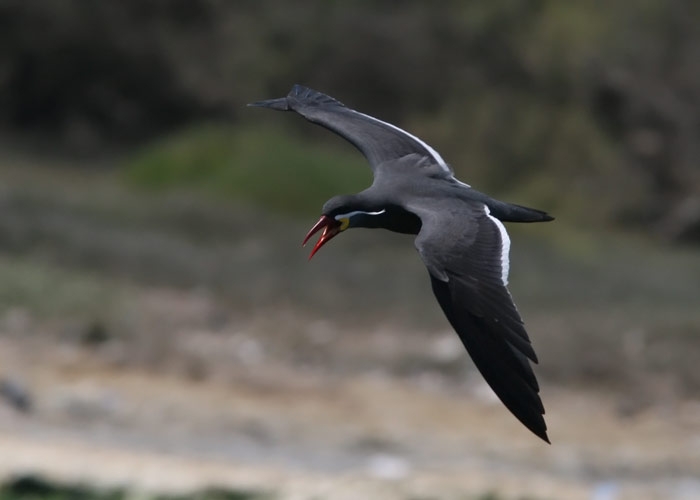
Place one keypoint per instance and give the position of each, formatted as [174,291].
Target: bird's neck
[392,218]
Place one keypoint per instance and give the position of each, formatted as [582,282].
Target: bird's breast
[400,220]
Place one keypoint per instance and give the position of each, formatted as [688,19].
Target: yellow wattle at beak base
[344,223]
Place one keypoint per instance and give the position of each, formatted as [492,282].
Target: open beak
[330,227]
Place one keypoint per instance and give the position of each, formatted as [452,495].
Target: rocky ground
[302,430]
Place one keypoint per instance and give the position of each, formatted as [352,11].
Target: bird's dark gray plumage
[460,238]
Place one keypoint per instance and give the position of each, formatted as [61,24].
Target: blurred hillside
[588,111]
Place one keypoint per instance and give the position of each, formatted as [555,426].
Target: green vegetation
[287,173]
[551,103]
[29,488]
[50,291]
[36,488]
[264,166]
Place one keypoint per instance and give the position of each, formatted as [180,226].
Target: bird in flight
[460,237]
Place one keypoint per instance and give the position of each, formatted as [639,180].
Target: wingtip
[538,426]
[298,96]
[539,429]
[545,437]
[280,104]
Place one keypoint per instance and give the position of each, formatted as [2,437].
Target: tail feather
[510,212]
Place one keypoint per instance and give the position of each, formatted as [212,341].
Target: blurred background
[163,336]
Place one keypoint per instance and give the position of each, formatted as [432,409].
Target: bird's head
[341,213]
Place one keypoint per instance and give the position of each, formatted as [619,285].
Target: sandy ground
[308,433]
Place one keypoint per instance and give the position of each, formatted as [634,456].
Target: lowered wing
[466,252]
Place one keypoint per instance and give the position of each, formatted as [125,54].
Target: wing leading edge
[379,141]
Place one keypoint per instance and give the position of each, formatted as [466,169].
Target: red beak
[330,227]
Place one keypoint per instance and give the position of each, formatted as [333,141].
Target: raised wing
[466,252]
[377,140]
